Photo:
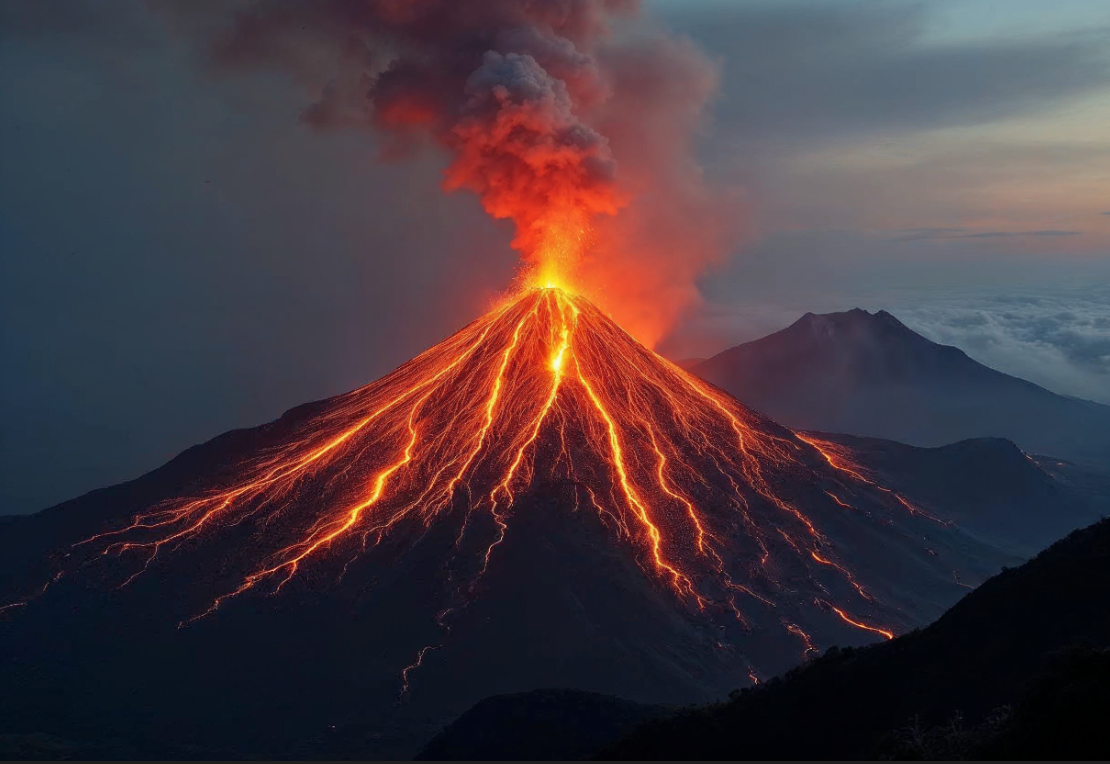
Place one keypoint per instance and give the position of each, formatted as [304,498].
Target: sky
[180,256]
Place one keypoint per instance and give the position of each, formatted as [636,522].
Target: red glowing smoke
[520,146]
[568,117]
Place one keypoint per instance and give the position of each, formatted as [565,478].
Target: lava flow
[719,505]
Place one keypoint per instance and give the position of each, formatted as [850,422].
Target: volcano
[537,501]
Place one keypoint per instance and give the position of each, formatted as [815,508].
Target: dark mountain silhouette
[321,586]
[868,374]
[1007,643]
[1063,716]
[571,725]
[1060,717]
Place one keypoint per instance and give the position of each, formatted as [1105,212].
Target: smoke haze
[574,119]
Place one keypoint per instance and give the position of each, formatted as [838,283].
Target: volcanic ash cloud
[574,119]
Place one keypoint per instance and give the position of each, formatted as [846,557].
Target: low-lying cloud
[1059,339]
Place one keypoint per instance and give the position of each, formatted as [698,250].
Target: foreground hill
[548,725]
[999,645]
[869,374]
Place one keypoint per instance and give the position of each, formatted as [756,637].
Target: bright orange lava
[543,390]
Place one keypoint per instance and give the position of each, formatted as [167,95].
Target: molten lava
[544,390]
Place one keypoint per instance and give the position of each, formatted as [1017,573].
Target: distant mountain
[869,374]
[944,686]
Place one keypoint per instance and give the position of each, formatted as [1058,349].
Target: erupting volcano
[537,501]
[726,510]
[543,389]
[540,500]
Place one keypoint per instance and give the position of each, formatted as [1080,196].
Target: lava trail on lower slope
[719,505]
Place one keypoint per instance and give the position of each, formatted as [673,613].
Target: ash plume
[574,119]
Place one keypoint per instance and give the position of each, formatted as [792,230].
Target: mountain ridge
[869,374]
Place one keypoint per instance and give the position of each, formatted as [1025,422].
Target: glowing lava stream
[543,390]
[837,457]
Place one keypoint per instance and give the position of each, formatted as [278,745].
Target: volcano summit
[539,500]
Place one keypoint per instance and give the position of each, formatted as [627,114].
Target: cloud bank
[1059,339]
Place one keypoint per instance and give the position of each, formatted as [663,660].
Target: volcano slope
[536,501]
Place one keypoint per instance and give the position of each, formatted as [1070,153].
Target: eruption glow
[580,137]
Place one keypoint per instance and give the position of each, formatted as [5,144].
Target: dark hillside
[985,652]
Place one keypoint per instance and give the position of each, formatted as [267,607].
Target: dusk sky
[180,255]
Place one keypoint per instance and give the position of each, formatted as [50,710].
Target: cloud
[1057,338]
[921,234]
[862,117]
[575,119]
[793,70]
[997,234]
[98,23]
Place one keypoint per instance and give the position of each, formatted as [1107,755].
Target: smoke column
[571,118]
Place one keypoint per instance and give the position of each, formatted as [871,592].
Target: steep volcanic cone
[544,389]
[538,500]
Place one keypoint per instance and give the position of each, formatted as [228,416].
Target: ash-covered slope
[868,374]
[537,501]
